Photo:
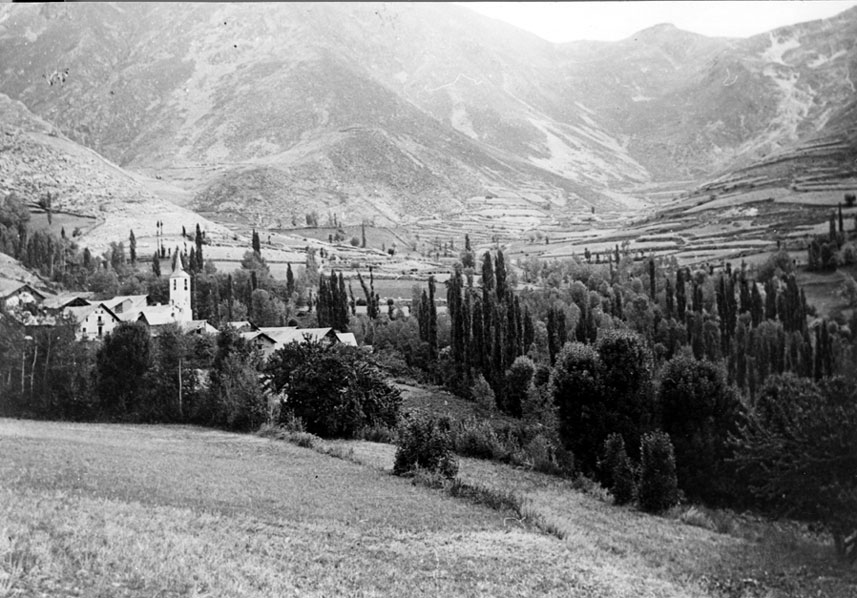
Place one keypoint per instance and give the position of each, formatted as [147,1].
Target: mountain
[391,111]
[36,160]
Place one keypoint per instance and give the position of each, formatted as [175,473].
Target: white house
[93,321]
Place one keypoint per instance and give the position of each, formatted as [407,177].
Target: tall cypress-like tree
[200,261]
[653,287]
[290,281]
[432,320]
[500,275]
[132,247]
[256,243]
[156,264]
[680,296]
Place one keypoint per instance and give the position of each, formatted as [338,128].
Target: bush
[483,395]
[617,473]
[518,379]
[334,389]
[658,490]
[478,439]
[424,444]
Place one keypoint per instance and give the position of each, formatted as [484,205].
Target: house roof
[239,324]
[67,300]
[157,315]
[257,334]
[198,326]
[347,338]
[10,287]
[136,300]
[82,312]
[287,334]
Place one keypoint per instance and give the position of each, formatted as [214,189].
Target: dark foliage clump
[617,472]
[336,390]
[425,443]
[658,489]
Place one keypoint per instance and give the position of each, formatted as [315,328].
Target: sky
[611,21]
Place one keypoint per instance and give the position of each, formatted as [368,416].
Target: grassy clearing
[99,510]
[691,551]
[95,510]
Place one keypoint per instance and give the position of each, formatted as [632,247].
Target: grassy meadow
[116,510]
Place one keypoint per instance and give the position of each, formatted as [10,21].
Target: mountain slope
[36,159]
[397,110]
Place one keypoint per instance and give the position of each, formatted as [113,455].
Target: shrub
[850,199]
[617,473]
[658,489]
[483,395]
[425,444]
[478,439]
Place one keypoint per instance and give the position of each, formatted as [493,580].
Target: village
[94,319]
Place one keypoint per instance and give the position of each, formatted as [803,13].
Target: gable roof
[198,326]
[67,300]
[10,287]
[82,312]
[287,334]
[347,338]
[157,315]
[257,335]
[136,301]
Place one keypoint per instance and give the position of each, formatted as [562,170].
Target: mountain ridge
[396,111]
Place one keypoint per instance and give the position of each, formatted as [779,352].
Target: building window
[175,285]
[185,284]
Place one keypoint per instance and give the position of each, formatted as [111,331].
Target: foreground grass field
[100,510]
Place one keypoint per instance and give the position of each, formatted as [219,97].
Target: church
[95,318]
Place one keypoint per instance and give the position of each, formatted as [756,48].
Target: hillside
[87,191]
[138,511]
[396,111]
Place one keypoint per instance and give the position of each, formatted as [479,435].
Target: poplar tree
[132,247]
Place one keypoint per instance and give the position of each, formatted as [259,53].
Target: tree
[799,451]
[616,470]
[334,389]
[519,376]
[256,243]
[699,412]
[132,247]
[575,386]
[234,399]
[122,363]
[156,264]
[658,488]
[626,377]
